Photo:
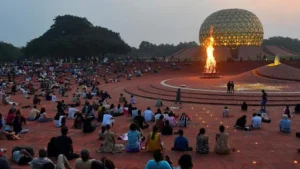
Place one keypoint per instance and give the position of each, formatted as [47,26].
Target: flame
[210,66]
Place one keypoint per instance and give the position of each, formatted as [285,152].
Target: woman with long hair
[183,120]
[202,146]
[43,117]
[153,141]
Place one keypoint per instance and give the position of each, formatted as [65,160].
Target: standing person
[228,87]
[232,87]
[178,96]
[264,100]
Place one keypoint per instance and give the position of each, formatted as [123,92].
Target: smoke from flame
[210,66]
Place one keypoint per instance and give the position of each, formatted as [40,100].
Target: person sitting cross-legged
[202,144]
[181,143]
[140,120]
[158,162]
[241,123]
[38,163]
[244,106]
[134,139]
[222,141]
[285,124]
[167,129]
[84,162]
[256,122]
[64,145]
[148,114]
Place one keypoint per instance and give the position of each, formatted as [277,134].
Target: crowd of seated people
[163,123]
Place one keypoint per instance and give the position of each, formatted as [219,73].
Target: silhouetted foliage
[9,52]
[147,49]
[289,43]
[72,36]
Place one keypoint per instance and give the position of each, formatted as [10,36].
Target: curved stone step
[133,90]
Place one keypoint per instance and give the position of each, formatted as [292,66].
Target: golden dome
[233,28]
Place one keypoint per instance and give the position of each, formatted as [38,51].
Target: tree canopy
[147,49]
[74,36]
[9,52]
[289,43]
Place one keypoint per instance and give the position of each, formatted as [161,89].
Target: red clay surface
[268,148]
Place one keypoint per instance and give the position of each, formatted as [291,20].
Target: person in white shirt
[107,119]
[53,98]
[256,121]
[71,112]
[148,115]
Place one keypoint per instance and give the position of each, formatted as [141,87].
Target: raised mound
[281,72]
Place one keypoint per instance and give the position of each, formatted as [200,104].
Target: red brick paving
[273,150]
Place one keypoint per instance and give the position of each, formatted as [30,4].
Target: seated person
[226,112]
[43,116]
[244,106]
[202,143]
[51,151]
[265,118]
[222,142]
[148,114]
[64,145]
[285,124]
[134,139]
[122,99]
[183,120]
[181,143]
[132,100]
[119,110]
[288,112]
[78,121]
[85,161]
[158,161]
[4,135]
[71,112]
[158,103]
[108,119]
[241,123]
[21,156]
[171,119]
[36,100]
[87,124]
[297,108]
[40,161]
[34,114]
[167,129]
[160,122]
[53,97]
[59,120]
[256,122]
[140,120]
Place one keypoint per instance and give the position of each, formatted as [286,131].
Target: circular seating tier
[154,91]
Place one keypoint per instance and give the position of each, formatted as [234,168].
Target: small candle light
[256,142]
[196,114]
[216,118]
[200,118]
[221,122]
[203,121]
[227,126]
[238,151]
[211,115]
[207,126]
[235,130]
[207,112]
[296,162]
[204,108]
[254,162]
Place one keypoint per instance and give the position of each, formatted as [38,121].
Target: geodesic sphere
[232,28]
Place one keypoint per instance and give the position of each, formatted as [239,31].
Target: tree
[9,52]
[73,36]
[288,43]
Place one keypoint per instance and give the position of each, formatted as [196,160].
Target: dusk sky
[156,21]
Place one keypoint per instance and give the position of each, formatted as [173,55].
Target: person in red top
[160,122]
[10,117]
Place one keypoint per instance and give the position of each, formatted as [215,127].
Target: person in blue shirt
[158,162]
[285,124]
[181,143]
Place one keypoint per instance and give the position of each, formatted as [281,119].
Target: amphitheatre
[203,99]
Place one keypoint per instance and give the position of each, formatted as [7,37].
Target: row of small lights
[208,112]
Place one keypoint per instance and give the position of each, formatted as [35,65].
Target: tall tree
[9,52]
